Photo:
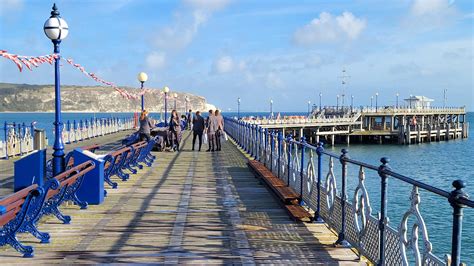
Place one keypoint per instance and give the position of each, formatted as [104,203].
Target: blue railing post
[32,130]
[75,129]
[319,152]
[341,239]
[280,144]
[5,128]
[252,140]
[303,148]
[288,149]
[383,208]
[257,143]
[272,146]
[265,143]
[261,139]
[457,193]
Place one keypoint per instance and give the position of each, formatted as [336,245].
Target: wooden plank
[189,207]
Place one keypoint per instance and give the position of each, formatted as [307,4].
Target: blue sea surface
[436,163]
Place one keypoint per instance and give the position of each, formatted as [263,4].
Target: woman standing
[175,129]
[145,126]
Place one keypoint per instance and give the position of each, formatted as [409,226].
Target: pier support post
[348,137]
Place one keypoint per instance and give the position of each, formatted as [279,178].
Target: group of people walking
[211,127]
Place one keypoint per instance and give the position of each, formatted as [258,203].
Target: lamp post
[238,108]
[352,103]
[166,90]
[376,101]
[397,98]
[56,29]
[142,77]
[175,95]
[320,101]
[411,96]
[371,101]
[337,103]
[186,100]
[271,108]
[309,111]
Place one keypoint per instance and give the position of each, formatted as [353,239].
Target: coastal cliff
[40,98]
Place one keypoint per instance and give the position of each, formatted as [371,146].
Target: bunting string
[31,62]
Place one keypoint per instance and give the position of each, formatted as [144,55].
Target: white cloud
[430,14]
[187,22]
[211,5]
[273,81]
[428,7]
[328,28]
[10,6]
[223,64]
[156,60]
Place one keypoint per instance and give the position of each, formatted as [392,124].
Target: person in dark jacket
[175,130]
[190,120]
[145,126]
[198,128]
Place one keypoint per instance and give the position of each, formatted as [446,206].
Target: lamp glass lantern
[142,77]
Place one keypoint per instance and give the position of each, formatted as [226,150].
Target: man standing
[190,120]
[211,127]
[198,128]
[219,130]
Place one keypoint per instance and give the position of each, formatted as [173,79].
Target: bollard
[341,239]
[319,152]
[383,208]
[457,193]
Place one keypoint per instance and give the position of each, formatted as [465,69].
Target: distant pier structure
[417,122]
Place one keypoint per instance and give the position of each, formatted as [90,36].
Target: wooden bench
[16,211]
[67,184]
[286,194]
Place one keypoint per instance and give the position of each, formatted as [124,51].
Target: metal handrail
[253,138]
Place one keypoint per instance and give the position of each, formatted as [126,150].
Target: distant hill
[40,98]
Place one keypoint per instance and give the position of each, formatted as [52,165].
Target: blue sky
[288,51]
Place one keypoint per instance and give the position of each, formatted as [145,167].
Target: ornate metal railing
[300,165]
[18,138]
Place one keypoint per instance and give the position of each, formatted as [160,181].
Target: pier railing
[19,137]
[300,165]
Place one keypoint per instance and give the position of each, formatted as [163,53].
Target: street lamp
[186,100]
[309,103]
[397,98]
[376,101]
[271,108]
[175,95]
[371,101]
[352,103]
[337,103]
[238,108]
[142,77]
[320,101]
[57,29]
[166,90]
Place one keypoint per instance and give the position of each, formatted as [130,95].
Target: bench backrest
[116,157]
[70,176]
[13,203]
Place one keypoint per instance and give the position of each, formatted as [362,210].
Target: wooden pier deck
[189,207]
